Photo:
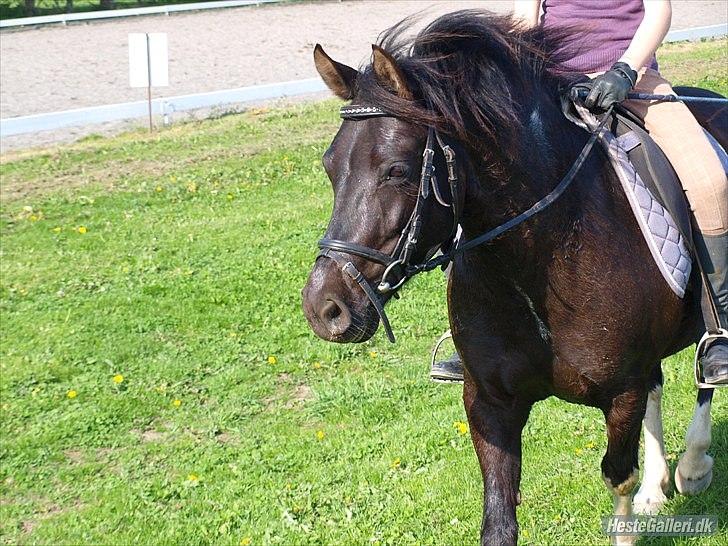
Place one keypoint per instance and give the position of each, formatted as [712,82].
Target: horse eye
[397,171]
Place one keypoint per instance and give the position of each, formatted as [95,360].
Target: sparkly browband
[359,112]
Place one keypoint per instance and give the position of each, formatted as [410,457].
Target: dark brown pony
[570,303]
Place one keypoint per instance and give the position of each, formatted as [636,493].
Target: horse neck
[548,146]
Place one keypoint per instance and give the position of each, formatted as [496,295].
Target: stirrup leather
[722,333]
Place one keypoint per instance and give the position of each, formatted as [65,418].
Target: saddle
[653,167]
[653,191]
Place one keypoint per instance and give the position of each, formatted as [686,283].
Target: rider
[627,34]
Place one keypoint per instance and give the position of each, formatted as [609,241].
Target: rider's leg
[673,127]
[713,254]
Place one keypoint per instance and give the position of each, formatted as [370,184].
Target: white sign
[148,60]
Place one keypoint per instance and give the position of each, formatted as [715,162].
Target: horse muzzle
[335,309]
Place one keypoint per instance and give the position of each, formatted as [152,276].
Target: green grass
[197,242]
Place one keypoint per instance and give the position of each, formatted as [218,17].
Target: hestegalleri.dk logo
[660,525]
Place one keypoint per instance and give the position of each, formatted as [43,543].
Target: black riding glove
[611,87]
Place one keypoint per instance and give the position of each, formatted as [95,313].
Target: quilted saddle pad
[660,231]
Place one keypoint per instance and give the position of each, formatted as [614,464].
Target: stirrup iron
[440,341]
[722,333]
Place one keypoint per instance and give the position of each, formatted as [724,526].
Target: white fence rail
[697,33]
[162,106]
[168,105]
[65,18]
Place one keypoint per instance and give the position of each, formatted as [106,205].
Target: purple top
[607,28]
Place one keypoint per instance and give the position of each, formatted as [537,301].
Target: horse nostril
[335,315]
[330,311]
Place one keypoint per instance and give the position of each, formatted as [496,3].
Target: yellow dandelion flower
[158,189]
[320,434]
[272,359]
[317,365]
[461,427]
[373,354]
[33,218]
[193,478]
[118,378]
[230,197]
[245,541]
[590,445]
[525,533]
[82,229]
[578,451]
[177,402]
[395,464]
[56,230]
[72,394]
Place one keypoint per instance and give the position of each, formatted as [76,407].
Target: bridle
[400,259]
[398,268]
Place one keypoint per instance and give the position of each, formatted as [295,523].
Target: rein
[398,262]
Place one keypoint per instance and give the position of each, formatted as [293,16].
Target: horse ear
[341,79]
[388,73]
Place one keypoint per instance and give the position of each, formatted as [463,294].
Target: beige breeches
[681,137]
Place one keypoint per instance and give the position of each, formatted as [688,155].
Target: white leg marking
[622,496]
[695,470]
[656,481]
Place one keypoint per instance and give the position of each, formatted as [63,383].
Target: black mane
[471,72]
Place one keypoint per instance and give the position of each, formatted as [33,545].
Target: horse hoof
[692,486]
[648,503]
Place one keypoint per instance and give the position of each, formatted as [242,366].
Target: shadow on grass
[712,502]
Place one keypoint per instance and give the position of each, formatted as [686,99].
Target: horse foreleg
[656,480]
[619,465]
[496,430]
[694,471]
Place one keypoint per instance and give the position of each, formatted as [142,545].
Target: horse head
[381,223]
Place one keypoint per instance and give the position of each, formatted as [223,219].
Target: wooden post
[149,84]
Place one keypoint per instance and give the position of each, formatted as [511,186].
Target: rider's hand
[611,87]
